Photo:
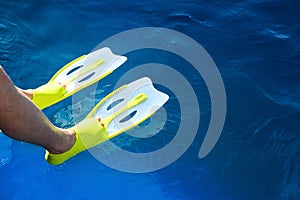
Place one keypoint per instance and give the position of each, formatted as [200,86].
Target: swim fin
[76,75]
[120,111]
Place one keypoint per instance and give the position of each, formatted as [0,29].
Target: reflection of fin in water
[76,75]
[119,111]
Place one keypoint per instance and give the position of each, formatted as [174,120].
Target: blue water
[255,45]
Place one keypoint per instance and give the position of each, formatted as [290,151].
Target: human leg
[22,120]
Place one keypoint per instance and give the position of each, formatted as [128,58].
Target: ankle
[27,93]
[67,138]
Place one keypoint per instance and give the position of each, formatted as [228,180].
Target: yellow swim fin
[76,75]
[119,111]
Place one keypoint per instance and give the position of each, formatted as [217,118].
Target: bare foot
[68,139]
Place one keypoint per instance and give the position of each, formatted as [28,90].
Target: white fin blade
[111,62]
[155,100]
[126,94]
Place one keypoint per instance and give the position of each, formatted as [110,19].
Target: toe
[62,84]
[99,120]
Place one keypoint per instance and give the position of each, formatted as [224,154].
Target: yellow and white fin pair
[121,110]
